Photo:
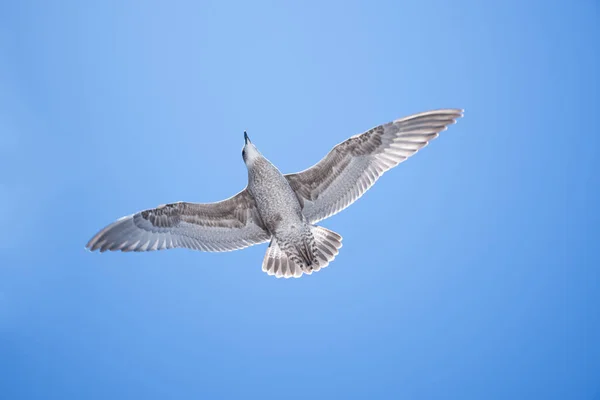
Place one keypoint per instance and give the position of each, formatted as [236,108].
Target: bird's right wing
[354,165]
[223,226]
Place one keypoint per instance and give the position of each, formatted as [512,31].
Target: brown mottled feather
[223,226]
[354,165]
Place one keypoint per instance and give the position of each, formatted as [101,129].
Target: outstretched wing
[223,226]
[354,165]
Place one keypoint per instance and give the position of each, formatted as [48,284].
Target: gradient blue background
[471,271]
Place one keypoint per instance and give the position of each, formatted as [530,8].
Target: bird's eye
[244,153]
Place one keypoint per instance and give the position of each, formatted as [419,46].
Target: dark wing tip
[109,236]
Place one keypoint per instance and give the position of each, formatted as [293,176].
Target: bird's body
[281,208]
[281,213]
[276,211]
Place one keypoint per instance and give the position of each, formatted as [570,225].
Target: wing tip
[453,112]
[460,112]
[91,246]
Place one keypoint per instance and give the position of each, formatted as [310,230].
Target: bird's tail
[278,263]
[328,245]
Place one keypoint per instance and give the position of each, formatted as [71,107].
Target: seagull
[282,209]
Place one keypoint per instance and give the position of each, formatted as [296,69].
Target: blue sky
[470,271]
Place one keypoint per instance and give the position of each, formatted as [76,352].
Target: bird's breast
[275,199]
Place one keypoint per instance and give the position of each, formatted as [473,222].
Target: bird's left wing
[223,226]
[354,165]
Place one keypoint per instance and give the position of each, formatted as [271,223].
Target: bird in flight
[282,209]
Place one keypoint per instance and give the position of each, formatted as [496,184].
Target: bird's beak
[246,138]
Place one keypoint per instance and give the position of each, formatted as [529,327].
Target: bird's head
[249,153]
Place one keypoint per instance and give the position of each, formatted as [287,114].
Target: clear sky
[471,271]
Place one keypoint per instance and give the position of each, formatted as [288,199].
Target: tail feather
[279,264]
[328,245]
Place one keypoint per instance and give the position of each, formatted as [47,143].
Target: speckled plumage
[282,208]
